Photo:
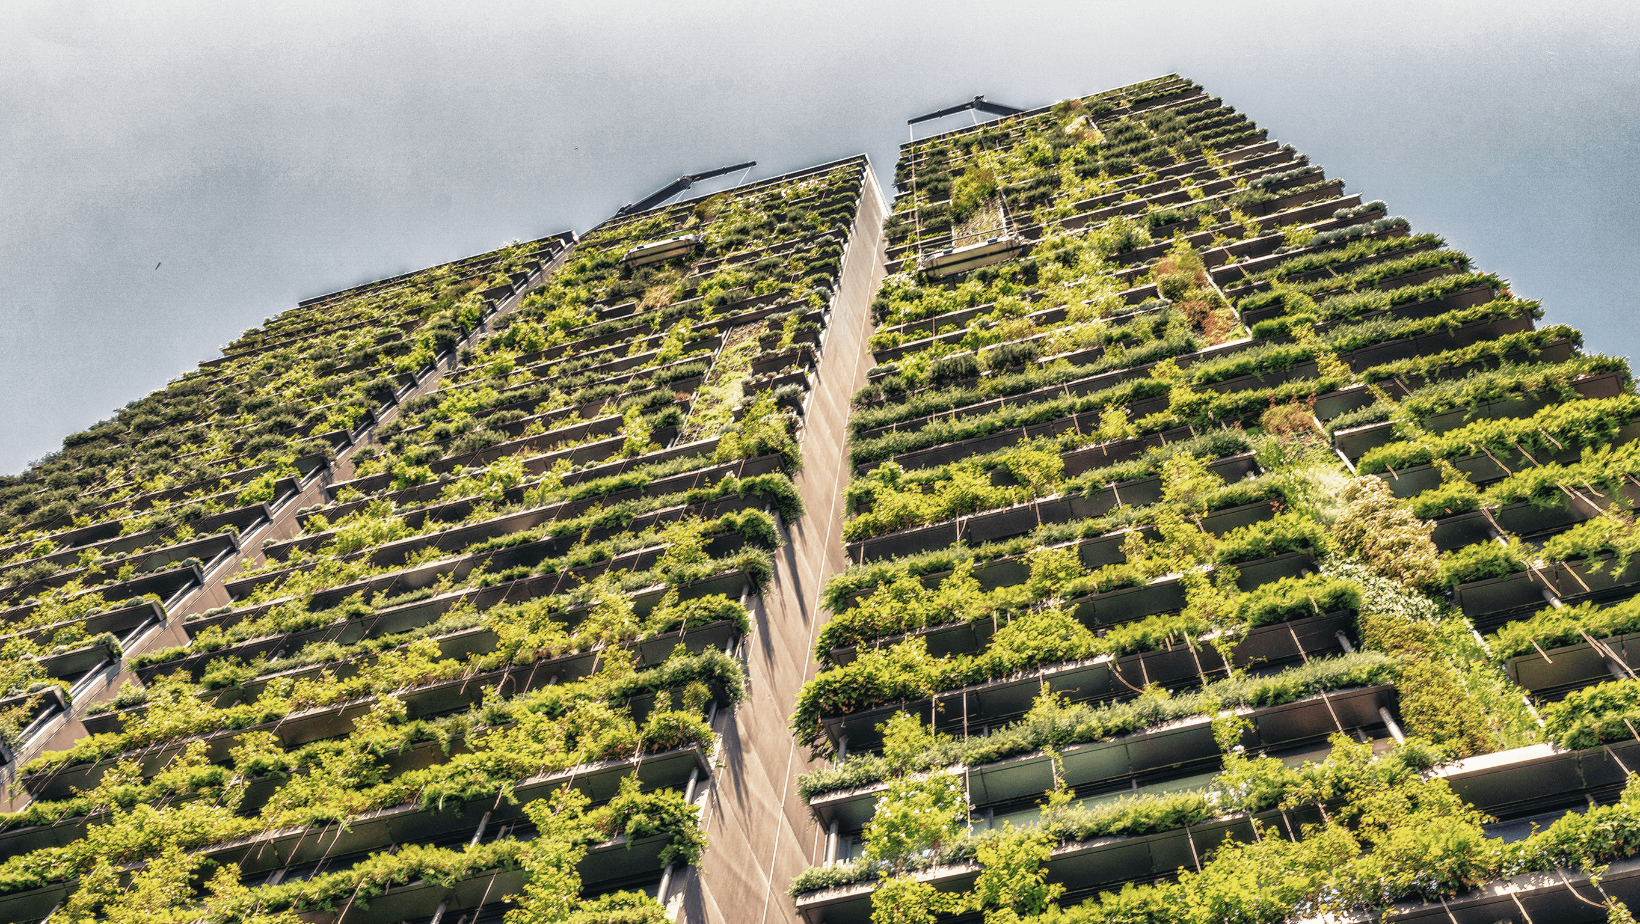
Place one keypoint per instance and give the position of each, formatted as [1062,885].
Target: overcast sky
[263,153]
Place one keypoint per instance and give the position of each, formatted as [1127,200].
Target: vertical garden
[101,542]
[1220,550]
[426,597]
[1213,547]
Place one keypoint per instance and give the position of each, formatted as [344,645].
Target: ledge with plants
[1496,448]
[1327,262]
[383,614]
[1059,213]
[894,528]
[1194,172]
[659,826]
[1250,366]
[500,509]
[30,581]
[1509,390]
[1047,649]
[1446,293]
[290,713]
[395,543]
[505,487]
[125,537]
[1385,269]
[459,624]
[1095,542]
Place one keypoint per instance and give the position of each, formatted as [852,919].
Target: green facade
[454,569]
[1223,550]
[1206,545]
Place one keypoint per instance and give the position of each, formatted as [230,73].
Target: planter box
[1554,672]
[1436,342]
[930,326]
[1008,570]
[1167,594]
[1483,469]
[1351,398]
[1521,782]
[1454,532]
[458,510]
[1525,518]
[122,621]
[952,639]
[35,904]
[982,527]
[311,725]
[1357,441]
[896,353]
[1328,193]
[1127,604]
[1261,571]
[1223,521]
[1267,379]
[1305,721]
[1492,602]
[1237,290]
[1021,518]
[169,585]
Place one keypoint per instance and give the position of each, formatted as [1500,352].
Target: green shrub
[1477,562]
[1288,531]
[1594,715]
[1296,598]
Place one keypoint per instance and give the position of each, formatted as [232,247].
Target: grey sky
[269,152]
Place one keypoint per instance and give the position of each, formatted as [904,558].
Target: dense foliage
[1217,438]
[531,580]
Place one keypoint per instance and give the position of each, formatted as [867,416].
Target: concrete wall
[760,832]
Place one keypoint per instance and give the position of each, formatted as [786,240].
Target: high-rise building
[1128,526]
[1220,550]
[428,585]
